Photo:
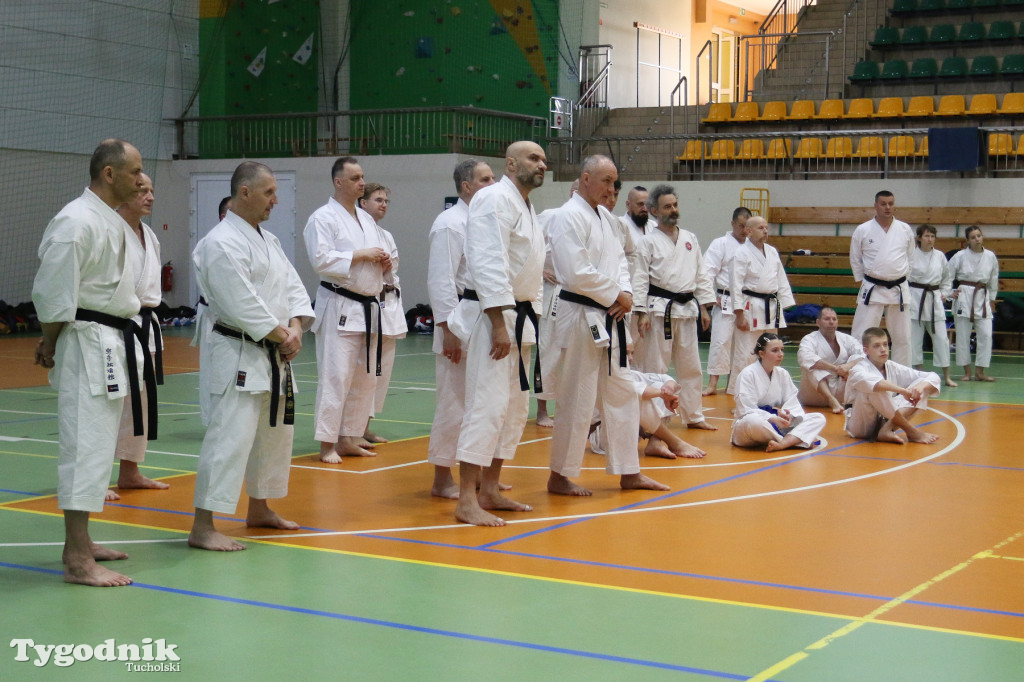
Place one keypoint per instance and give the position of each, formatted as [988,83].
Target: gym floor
[852,561]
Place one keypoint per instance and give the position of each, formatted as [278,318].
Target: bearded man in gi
[261,310]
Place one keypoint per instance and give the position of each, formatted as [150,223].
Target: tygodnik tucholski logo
[149,656]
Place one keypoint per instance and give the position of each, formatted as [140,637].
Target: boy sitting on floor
[887,395]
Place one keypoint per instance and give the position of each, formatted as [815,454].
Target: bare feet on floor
[919,436]
[88,572]
[710,390]
[268,519]
[560,485]
[983,377]
[130,478]
[966,377]
[372,438]
[658,448]
[684,449]
[545,421]
[213,541]
[702,425]
[789,441]
[498,502]
[890,437]
[951,383]
[99,553]
[449,491]
[111,496]
[475,515]
[331,453]
[837,407]
[640,482]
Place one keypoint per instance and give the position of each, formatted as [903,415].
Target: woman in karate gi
[767,410]
[977,271]
[930,287]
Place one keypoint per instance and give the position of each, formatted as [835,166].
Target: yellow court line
[141,466]
[1008,558]
[855,624]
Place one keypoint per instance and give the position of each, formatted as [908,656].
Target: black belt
[203,302]
[722,292]
[367,302]
[926,289]
[620,325]
[524,311]
[275,373]
[884,283]
[978,286]
[767,298]
[153,326]
[129,332]
[683,297]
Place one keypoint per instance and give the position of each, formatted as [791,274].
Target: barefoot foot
[268,519]
[702,425]
[111,496]
[475,515]
[129,480]
[640,482]
[684,449]
[545,421]
[560,485]
[213,541]
[99,553]
[658,448]
[92,574]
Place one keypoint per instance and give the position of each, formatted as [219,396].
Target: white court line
[103,542]
[45,414]
[11,439]
[961,434]
[367,471]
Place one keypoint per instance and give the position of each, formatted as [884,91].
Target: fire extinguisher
[167,277]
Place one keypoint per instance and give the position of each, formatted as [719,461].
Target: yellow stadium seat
[1013,104]
[982,105]
[723,150]
[720,112]
[774,111]
[923,105]
[809,148]
[890,107]
[861,108]
[831,109]
[693,151]
[951,105]
[870,147]
[922,150]
[1001,144]
[901,146]
[839,148]
[751,150]
[746,112]
[779,148]
[802,110]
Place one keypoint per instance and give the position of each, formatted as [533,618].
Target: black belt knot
[368,302]
[620,325]
[524,311]
[926,290]
[767,298]
[153,326]
[888,284]
[682,297]
[129,332]
[275,373]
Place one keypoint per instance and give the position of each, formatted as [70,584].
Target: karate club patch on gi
[595,331]
[240,379]
[689,246]
[341,320]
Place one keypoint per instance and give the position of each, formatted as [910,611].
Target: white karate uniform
[755,388]
[629,245]
[83,265]
[446,280]
[676,267]
[870,409]
[549,307]
[968,266]
[589,261]
[345,393]
[201,338]
[250,286]
[723,353]
[814,347]
[761,272]
[653,412]
[392,322]
[146,264]
[885,255]
[505,261]
[932,269]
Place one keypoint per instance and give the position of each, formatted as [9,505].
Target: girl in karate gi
[977,271]
[767,410]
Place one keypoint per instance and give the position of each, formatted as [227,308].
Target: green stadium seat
[983,66]
[914,35]
[959,5]
[1013,65]
[931,5]
[925,67]
[904,7]
[894,69]
[953,67]
[942,33]
[1013,3]
[986,4]
[865,71]
[972,31]
[1002,30]
[886,36]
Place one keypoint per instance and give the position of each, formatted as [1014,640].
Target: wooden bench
[914,215]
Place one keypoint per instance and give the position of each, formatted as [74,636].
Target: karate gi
[549,308]
[83,265]
[814,347]
[974,302]
[345,393]
[201,338]
[870,410]
[589,261]
[392,321]
[754,389]
[762,273]
[250,287]
[932,270]
[146,265]
[631,238]
[677,267]
[505,261]
[446,280]
[883,255]
[653,412]
[723,354]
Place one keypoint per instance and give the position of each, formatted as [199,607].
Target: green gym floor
[852,561]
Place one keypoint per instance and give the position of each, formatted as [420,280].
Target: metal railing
[707,47]
[763,55]
[860,20]
[682,87]
[782,20]
[379,131]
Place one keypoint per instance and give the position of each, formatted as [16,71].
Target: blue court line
[415,628]
[20,492]
[698,576]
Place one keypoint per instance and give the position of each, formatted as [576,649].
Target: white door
[207,191]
